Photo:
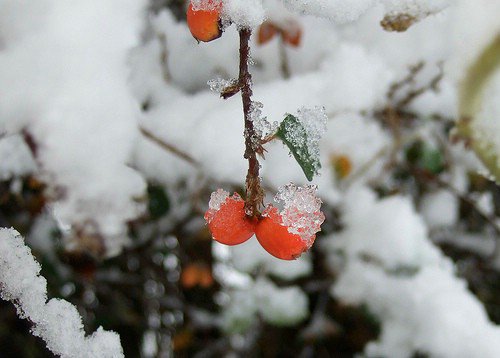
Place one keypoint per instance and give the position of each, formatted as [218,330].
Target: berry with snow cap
[287,234]
[204,23]
[226,218]
[276,238]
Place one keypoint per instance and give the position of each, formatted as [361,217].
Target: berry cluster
[232,220]
[229,225]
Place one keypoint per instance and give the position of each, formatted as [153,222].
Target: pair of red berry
[229,225]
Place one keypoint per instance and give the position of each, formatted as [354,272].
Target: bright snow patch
[57,321]
[301,212]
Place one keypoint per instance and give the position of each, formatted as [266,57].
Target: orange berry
[276,239]
[342,165]
[204,24]
[229,224]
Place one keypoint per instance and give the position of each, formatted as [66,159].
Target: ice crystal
[219,84]
[217,198]
[261,125]
[205,5]
[301,212]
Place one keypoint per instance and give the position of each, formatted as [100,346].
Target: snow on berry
[277,239]
[289,233]
[226,218]
[206,5]
[203,20]
[301,210]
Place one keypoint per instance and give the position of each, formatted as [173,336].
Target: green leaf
[425,157]
[293,133]
[159,204]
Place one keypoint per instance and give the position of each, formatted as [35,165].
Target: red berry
[277,240]
[228,223]
[204,24]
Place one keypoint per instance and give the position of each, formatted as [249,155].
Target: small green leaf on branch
[301,134]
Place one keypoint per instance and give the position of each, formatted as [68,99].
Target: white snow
[63,76]
[440,209]
[393,268]
[301,212]
[74,75]
[16,158]
[279,306]
[56,321]
[244,13]
[337,10]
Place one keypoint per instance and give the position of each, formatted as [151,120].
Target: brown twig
[254,191]
[169,147]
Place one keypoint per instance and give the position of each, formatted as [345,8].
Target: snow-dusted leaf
[293,134]
[301,134]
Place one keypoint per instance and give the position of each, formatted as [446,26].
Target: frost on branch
[57,321]
[301,210]
[261,125]
[220,85]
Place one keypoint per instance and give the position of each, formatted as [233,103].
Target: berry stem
[254,192]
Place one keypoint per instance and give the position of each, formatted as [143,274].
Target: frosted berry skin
[277,240]
[229,225]
[204,24]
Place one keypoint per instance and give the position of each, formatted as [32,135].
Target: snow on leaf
[301,134]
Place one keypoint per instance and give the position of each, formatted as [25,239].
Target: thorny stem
[254,192]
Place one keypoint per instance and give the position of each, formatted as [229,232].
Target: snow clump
[57,321]
[301,210]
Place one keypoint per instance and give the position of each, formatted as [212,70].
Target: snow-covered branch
[56,321]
